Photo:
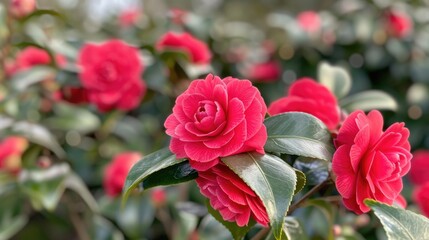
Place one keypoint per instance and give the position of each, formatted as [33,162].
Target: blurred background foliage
[59,193]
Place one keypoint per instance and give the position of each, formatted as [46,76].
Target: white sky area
[99,10]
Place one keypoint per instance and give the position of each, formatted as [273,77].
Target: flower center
[108,72]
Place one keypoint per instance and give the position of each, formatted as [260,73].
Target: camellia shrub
[217,120]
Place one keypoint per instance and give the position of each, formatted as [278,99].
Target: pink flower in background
[33,56]
[197,50]
[421,197]
[111,74]
[309,21]
[306,95]
[398,24]
[11,150]
[129,17]
[216,118]
[265,72]
[230,195]
[158,196]
[117,170]
[21,8]
[177,15]
[419,173]
[368,162]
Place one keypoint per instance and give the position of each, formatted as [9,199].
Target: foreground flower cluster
[217,118]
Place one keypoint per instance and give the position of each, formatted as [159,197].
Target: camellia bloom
[21,8]
[129,17]
[11,150]
[265,72]
[111,74]
[230,195]
[197,50]
[306,95]
[309,21]
[117,170]
[177,15]
[368,162]
[33,56]
[421,197]
[216,118]
[420,167]
[398,24]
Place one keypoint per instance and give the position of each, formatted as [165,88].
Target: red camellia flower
[398,24]
[11,150]
[117,170]
[30,57]
[111,74]
[197,50]
[306,95]
[230,195]
[419,173]
[177,15]
[421,197]
[21,8]
[216,118]
[309,21]
[129,17]
[368,162]
[265,72]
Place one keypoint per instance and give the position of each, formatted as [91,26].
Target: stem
[298,204]
[76,221]
[165,220]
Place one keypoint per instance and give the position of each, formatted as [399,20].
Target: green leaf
[315,170]
[369,100]
[23,79]
[293,229]
[236,231]
[211,229]
[149,165]
[69,117]
[178,173]
[328,211]
[13,216]
[335,78]
[300,181]
[37,134]
[399,223]
[298,133]
[272,179]
[44,187]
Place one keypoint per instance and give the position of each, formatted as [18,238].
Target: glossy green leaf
[272,179]
[300,134]
[211,229]
[23,79]
[335,78]
[400,224]
[149,165]
[44,187]
[236,231]
[294,230]
[13,216]
[369,100]
[328,211]
[315,170]
[300,181]
[69,117]
[178,173]
[75,183]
